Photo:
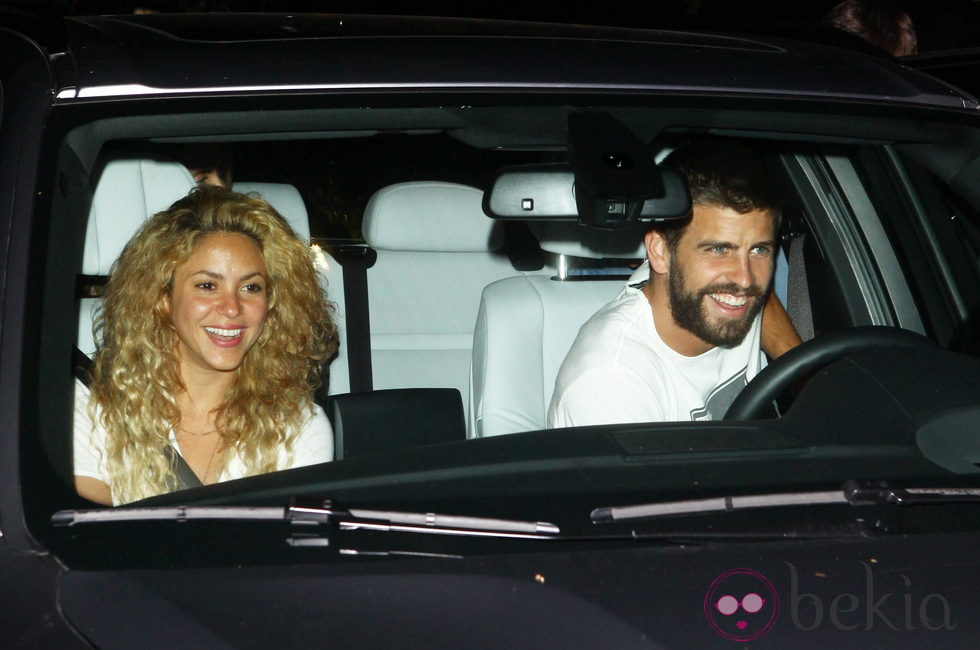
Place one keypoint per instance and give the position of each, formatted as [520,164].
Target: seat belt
[797,291]
[81,367]
[185,476]
[355,263]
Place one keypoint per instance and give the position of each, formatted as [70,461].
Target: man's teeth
[730,300]
[217,331]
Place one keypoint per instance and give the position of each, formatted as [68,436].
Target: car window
[414,298]
[938,239]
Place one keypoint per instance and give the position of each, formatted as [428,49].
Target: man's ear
[658,253]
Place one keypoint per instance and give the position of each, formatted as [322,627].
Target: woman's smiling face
[219,302]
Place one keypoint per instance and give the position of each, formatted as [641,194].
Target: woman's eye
[254,288]
[205,286]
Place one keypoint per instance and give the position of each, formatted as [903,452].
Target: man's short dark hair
[726,174]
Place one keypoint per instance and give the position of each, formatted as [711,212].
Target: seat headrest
[129,191]
[287,201]
[430,216]
[572,239]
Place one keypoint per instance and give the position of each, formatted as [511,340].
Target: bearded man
[684,336]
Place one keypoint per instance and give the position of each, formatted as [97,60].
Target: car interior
[453,324]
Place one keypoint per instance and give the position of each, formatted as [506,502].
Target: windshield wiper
[855,493]
[314,512]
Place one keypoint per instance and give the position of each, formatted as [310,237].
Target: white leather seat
[287,201]
[526,325]
[128,191]
[436,250]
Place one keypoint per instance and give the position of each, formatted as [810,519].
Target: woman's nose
[230,304]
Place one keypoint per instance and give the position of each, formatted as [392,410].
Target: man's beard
[691,313]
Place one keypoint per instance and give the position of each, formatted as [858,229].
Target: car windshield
[454,315]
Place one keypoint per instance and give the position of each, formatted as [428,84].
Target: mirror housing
[550,192]
[611,181]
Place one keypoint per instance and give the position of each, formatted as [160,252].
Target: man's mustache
[753,291]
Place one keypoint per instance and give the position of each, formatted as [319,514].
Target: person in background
[210,344]
[209,163]
[878,22]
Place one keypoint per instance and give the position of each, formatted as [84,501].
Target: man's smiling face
[719,272]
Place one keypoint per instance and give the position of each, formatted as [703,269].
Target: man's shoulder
[618,328]
[613,372]
[625,310]
[619,315]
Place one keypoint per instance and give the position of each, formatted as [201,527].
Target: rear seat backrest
[128,191]
[287,201]
[436,251]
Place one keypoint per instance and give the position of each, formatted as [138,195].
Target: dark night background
[940,24]
[338,176]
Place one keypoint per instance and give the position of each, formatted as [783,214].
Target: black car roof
[186,53]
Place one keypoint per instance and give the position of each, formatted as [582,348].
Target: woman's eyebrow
[219,276]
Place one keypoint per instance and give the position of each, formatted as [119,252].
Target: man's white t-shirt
[619,370]
[313,444]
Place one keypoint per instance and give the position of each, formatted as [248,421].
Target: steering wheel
[816,353]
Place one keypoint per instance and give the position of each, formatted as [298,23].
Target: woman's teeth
[217,331]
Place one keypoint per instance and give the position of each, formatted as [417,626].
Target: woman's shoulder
[82,397]
[315,438]
[317,423]
[81,390]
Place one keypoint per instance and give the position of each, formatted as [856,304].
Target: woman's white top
[313,445]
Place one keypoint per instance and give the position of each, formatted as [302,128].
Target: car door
[29,577]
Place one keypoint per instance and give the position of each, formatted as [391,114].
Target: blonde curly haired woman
[212,334]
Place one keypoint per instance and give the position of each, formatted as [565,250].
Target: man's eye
[762,250]
[718,250]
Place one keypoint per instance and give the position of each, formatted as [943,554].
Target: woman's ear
[163,308]
[658,253]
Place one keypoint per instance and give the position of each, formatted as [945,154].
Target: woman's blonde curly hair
[136,378]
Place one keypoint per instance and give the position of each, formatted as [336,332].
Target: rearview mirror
[548,192]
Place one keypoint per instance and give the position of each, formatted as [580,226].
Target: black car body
[882,163]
